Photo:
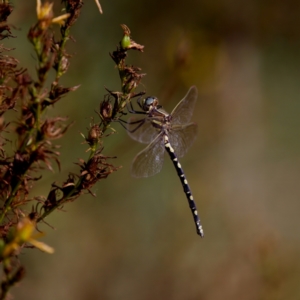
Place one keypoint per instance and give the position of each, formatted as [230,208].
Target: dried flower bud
[94,134]
[53,129]
[57,91]
[64,64]
[106,109]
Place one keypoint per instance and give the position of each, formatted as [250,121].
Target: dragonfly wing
[182,137]
[183,111]
[150,160]
[141,130]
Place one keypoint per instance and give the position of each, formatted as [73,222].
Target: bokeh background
[136,239]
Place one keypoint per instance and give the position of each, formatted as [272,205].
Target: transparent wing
[182,137]
[150,160]
[183,111]
[141,130]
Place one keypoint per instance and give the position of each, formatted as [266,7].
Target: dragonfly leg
[138,122]
[134,111]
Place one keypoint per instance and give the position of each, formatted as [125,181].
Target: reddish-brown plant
[33,149]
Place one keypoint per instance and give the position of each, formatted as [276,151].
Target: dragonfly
[173,133]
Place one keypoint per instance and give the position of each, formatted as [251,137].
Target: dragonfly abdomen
[185,185]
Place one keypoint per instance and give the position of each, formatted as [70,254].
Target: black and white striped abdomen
[185,185]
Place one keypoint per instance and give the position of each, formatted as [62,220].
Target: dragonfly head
[149,103]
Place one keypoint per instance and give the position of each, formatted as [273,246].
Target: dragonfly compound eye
[149,102]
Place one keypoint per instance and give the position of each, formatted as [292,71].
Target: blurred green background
[136,239]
